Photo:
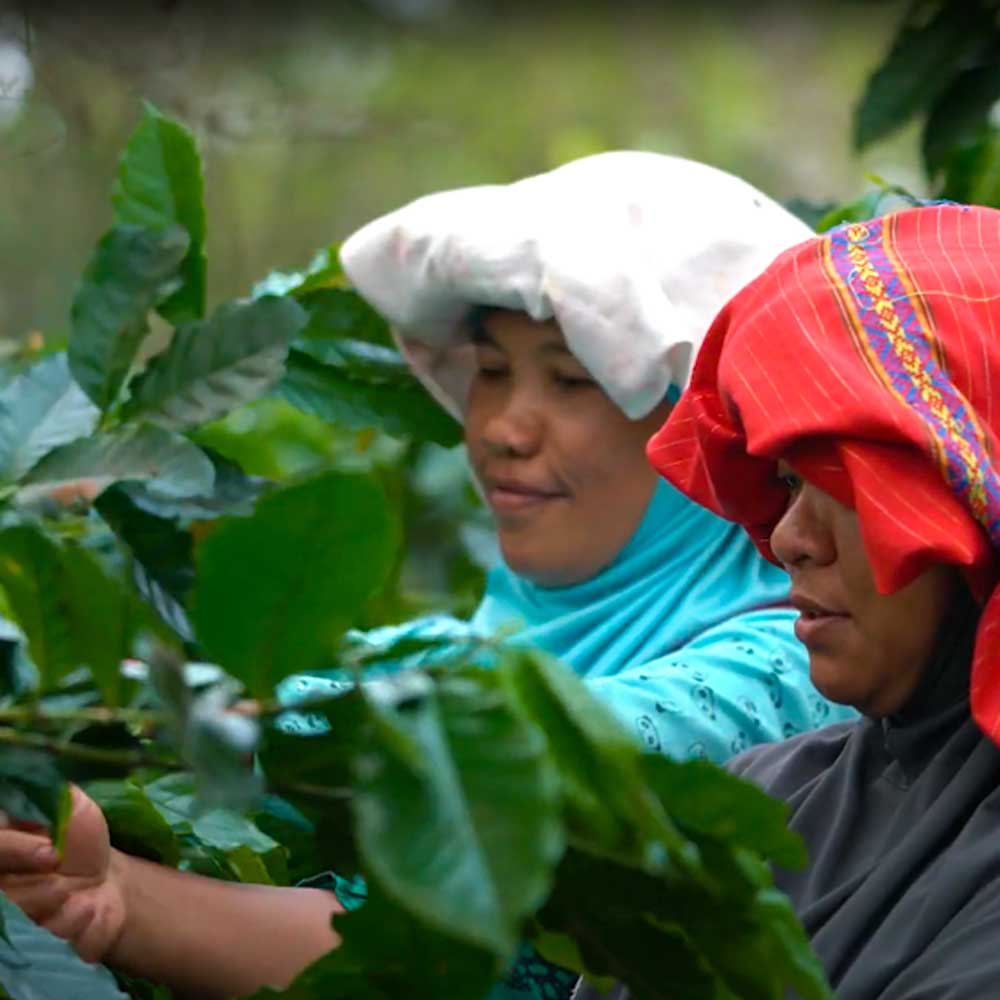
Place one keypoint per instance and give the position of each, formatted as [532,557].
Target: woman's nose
[514,430]
[802,536]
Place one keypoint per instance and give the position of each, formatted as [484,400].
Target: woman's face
[866,649]
[563,469]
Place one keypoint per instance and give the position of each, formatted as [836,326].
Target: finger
[71,920]
[26,852]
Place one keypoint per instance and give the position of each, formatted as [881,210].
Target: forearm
[208,939]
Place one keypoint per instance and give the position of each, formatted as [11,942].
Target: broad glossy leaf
[159,184]
[707,800]
[355,398]
[972,174]
[165,551]
[457,805]
[136,825]
[598,761]
[131,270]
[211,368]
[36,965]
[960,119]
[672,936]
[276,590]
[170,465]
[45,409]
[926,55]
[32,789]
[340,313]
[72,613]
[233,493]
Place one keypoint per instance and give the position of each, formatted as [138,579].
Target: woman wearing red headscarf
[846,410]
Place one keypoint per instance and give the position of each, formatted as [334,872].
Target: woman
[557,316]
[852,392]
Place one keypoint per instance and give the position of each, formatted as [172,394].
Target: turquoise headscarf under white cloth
[685,635]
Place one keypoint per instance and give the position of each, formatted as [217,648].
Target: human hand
[78,897]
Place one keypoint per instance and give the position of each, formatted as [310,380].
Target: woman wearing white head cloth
[558,317]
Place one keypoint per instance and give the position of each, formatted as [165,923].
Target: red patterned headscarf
[868,359]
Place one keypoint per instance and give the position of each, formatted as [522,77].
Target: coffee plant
[156,592]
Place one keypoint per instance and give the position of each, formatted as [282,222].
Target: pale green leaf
[170,464]
[45,409]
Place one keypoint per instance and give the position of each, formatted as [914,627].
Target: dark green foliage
[315,551]
[944,68]
[481,791]
[159,186]
[132,270]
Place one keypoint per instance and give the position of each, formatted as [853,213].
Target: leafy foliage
[481,791]
[942,67]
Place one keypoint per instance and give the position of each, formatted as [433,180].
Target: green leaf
[72,613]
[32,790]
[598,760]
[170,465]
[159,185]
[457,805]
[44,408]
[233,493]
[211,368]
[704,799]
[340,313]
[131,271]
[972,174]
[240,846]
[926,55]
[276,590]
[36,965]
[165,551]
[136,825]
[960,119]
[359,397]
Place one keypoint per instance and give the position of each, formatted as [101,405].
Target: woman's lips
[814,629]
[512,498]
[816,622]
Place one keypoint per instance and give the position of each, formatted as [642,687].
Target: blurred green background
[314,117]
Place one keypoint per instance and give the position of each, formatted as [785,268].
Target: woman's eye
[573,381]
[790,481]
[491,372]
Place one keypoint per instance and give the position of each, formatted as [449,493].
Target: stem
[77,751]
[98,714]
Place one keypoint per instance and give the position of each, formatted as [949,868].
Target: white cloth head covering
[631,253]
